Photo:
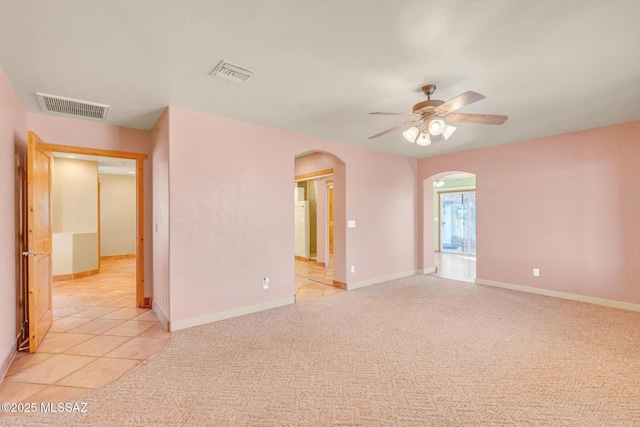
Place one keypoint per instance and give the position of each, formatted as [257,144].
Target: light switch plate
[351,223]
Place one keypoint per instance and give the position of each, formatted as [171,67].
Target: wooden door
[39,237]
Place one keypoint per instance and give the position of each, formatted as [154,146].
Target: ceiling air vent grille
[232,72]
[73,107]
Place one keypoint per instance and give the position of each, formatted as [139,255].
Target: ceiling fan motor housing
[424,106]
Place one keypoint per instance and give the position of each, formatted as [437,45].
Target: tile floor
[98,335]
[313,281]
[456,266]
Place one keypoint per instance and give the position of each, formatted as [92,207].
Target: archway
[320,224]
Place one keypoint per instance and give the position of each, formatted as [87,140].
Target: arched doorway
[320,223]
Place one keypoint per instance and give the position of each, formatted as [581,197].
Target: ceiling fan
[432,116]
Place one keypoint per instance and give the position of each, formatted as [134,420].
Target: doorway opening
[319,245]
[314,271]
[455,226]
[81,244]
[457,222]
[93,229]
[115,171]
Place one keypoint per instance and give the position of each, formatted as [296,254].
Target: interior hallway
[98,335]
[314,280]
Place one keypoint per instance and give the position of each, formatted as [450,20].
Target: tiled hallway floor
[456,266]
[97,336]
[313,280]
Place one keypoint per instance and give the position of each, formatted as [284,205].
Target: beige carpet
[411,352]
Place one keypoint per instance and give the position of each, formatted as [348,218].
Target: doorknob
[33,253]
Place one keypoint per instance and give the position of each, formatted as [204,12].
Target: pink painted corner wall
[231,214]
[13,134]
[383,202]
[566,204]
[81,133]
[160,171]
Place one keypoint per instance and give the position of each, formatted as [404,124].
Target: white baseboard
[563,295]
[428,270]
[352,286]
[214,317]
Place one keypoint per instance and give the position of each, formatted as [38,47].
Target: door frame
[328,227]
[139,158]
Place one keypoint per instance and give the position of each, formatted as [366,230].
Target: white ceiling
[552,67]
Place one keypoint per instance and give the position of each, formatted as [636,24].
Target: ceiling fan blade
[393,128]
[459,102]
[395,114]
[484,119]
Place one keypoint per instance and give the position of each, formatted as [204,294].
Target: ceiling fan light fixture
[448,131]
[411,134]
[431,117]
[436,126]
[424,139]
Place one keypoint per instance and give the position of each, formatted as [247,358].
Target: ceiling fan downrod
[428,91]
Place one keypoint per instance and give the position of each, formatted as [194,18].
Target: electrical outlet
[265,283]
[536,272]
[353,268]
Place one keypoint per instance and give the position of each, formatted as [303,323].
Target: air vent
[73,107]
[232,72]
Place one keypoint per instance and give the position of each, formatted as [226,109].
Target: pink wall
[13,134]
[566,204]
[160,141]
[231,216]
[81,133]
[385,209]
